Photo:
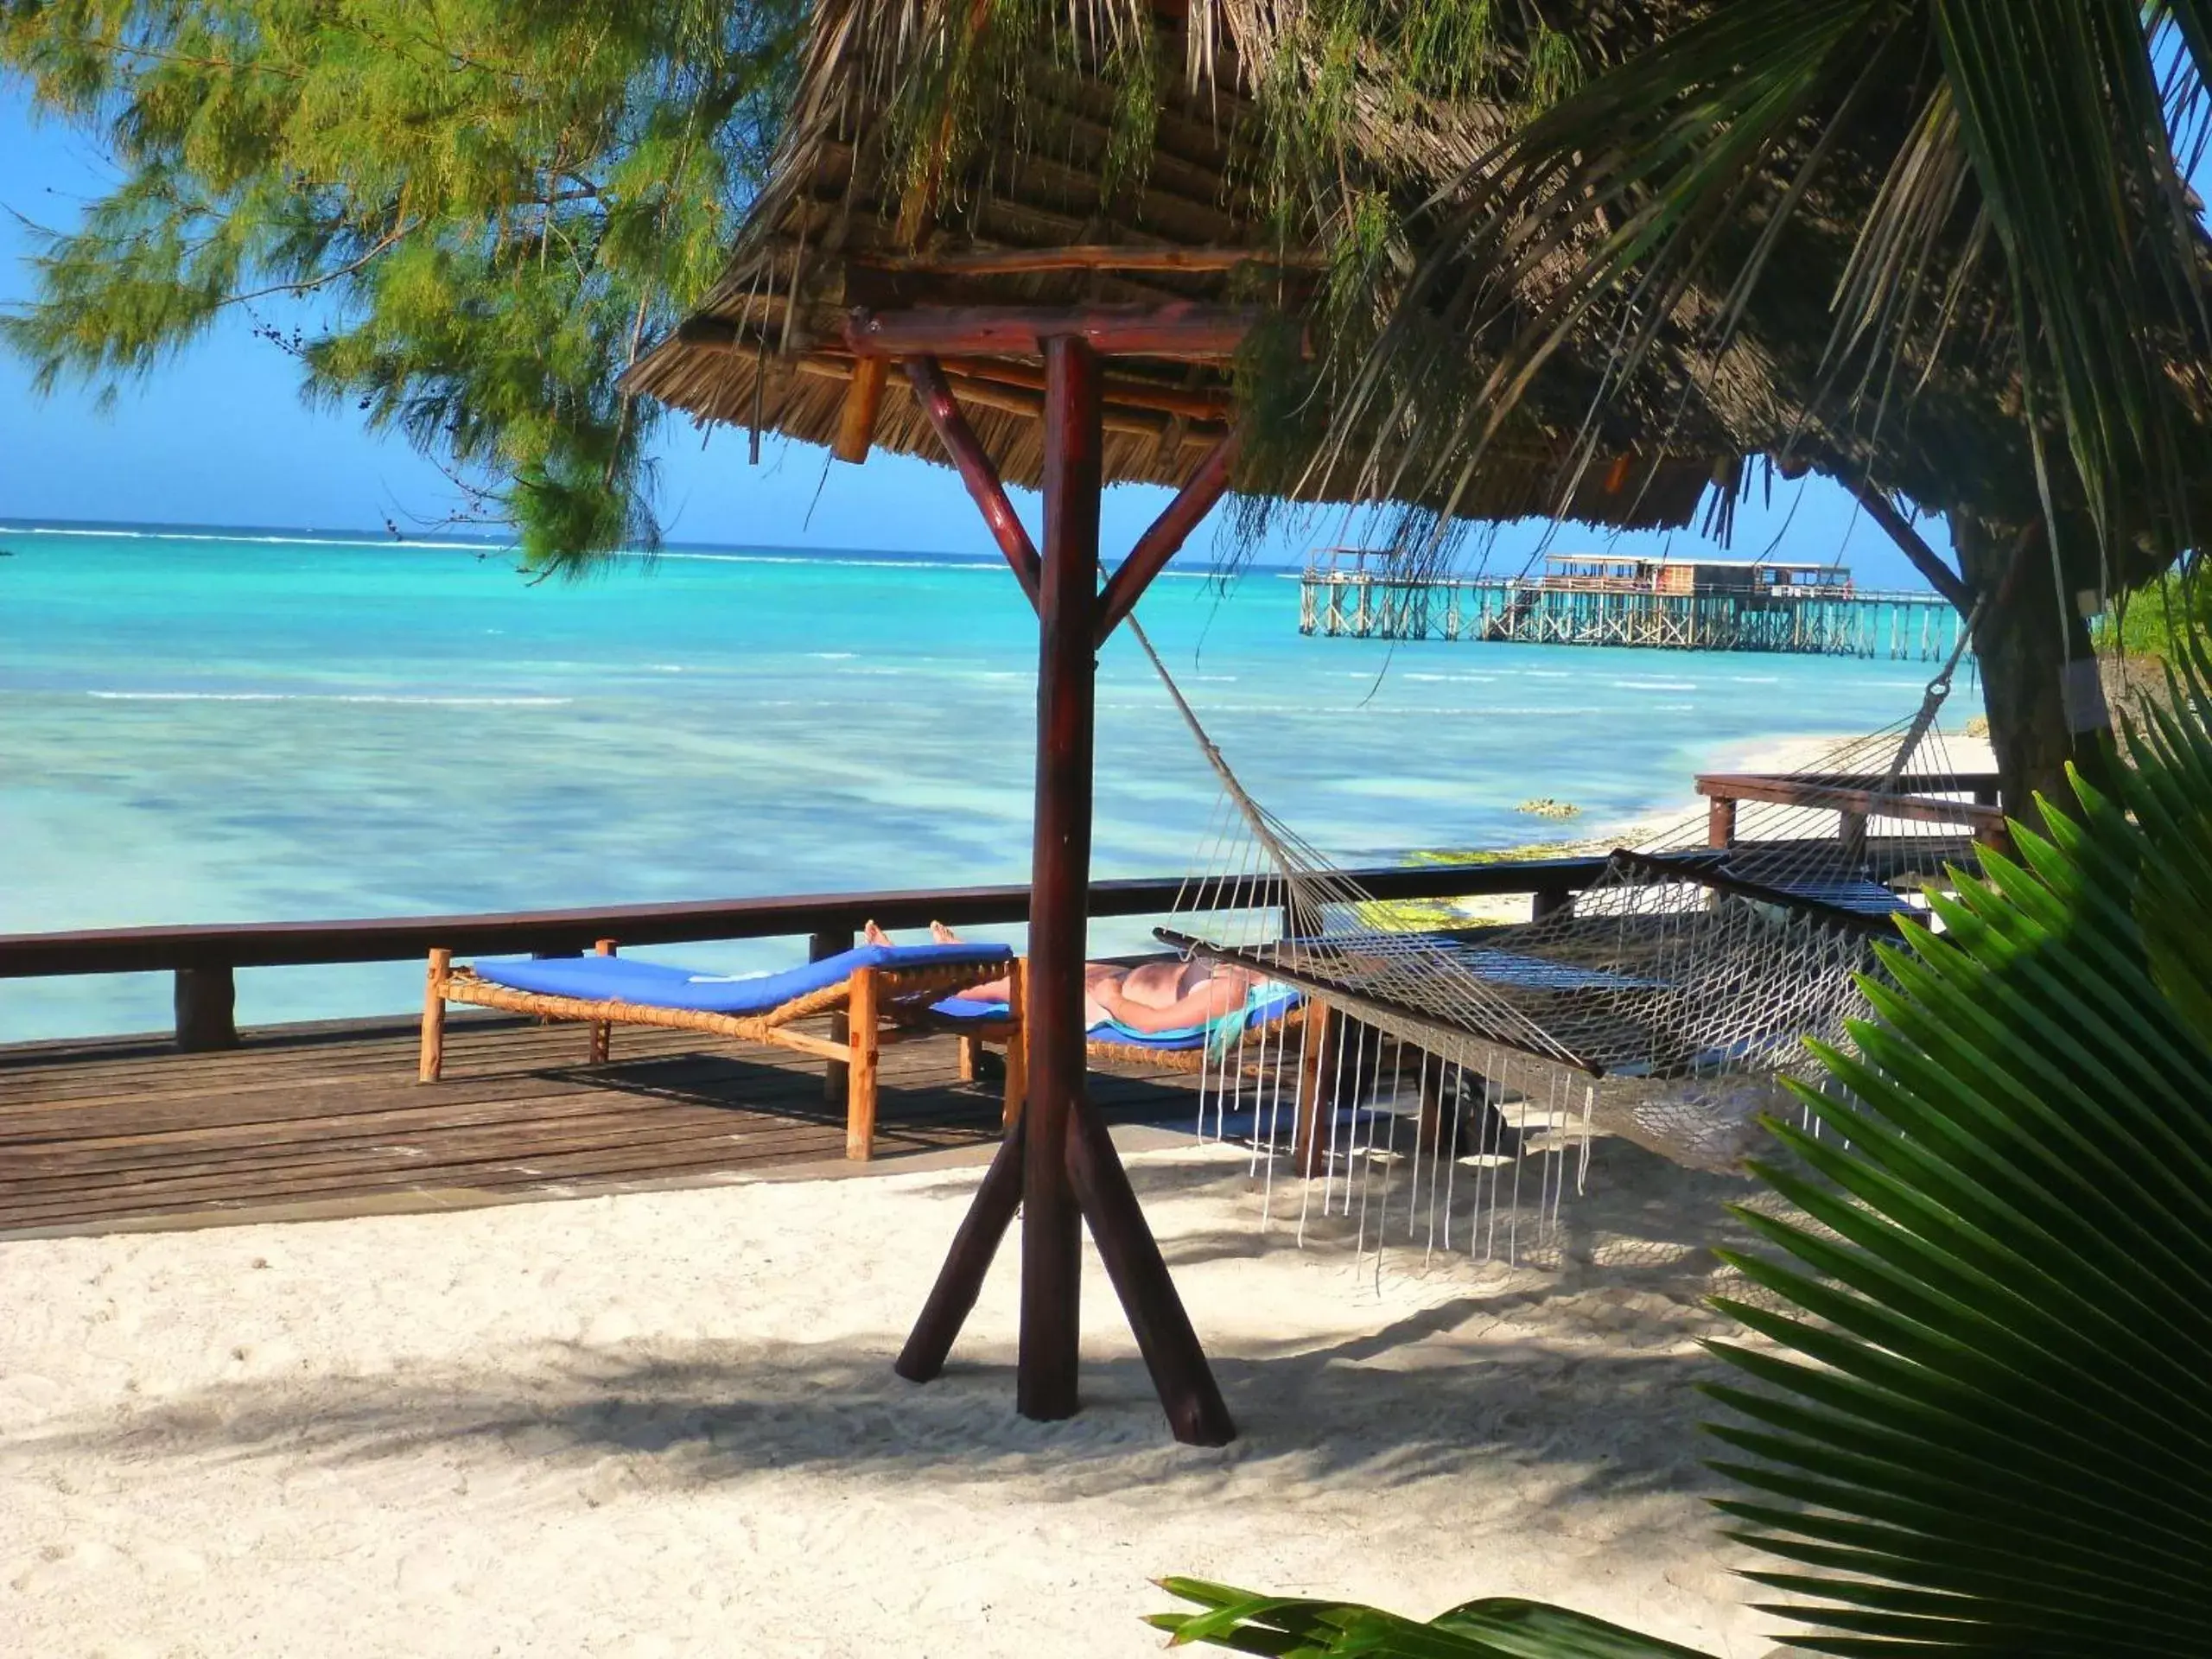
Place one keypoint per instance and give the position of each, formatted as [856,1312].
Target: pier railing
[1358,601]
[205,957]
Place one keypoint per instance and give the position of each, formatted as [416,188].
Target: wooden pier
[1347,593]
[312,1122]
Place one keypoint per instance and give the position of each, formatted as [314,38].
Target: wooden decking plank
[102,1133]
[522,1172]
[250,1144]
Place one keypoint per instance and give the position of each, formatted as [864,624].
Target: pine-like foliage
[483,207]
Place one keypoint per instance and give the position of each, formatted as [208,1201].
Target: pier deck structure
[1711,605]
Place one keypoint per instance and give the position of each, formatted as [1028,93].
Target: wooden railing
[205,958]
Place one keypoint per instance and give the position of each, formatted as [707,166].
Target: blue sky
[219,435]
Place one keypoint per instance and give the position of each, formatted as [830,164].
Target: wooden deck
[327,1119]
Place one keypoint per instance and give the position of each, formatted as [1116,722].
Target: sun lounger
[883,994]
[1271,1012]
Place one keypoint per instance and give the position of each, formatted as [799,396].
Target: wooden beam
[1119,389]
[1178,330]
[1791,791]
[1005,387]
[1165,536]
[976,470]
[1096,256]
[1884,511]
[1196,1413]
[864,401]
[960,1280]
[1051,1224]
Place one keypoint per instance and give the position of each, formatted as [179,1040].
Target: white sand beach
[666,1423]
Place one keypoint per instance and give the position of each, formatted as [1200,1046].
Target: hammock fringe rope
[1453,1091]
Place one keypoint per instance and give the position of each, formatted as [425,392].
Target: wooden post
[856,419]
[1720,821]
[860,1093]
[1429,1134]
[1017,1044]
[836,1079]
[1052,1225]
[1315,1111]
[434,1017]
[206,1010]
[602,1032]
[1550,901]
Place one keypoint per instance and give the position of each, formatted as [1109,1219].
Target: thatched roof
[859,212]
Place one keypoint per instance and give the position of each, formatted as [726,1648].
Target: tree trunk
[2038,669]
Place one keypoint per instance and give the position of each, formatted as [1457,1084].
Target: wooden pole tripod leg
[960,1280]
[1196,1411]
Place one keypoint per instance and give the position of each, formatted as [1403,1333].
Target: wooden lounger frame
[873,1007]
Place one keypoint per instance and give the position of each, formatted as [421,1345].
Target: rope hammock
[1453,1088]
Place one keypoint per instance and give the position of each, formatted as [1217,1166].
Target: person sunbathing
[1168,994]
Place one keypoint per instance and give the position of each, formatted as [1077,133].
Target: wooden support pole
[976,470]
[1051,1229]
[1550,901]
[1196,1412]
[960,1280]
[1166,538]
[1180,329]
[206,1010]
[836,1079]
[433,1061]
[864,400]
[1720,821]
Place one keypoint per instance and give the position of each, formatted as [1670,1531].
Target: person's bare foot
[943,935]
[874,935]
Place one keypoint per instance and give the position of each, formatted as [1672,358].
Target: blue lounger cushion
[625,979]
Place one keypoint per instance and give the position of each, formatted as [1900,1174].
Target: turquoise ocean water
[212,727]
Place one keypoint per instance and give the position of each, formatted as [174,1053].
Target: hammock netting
[1451,1090]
